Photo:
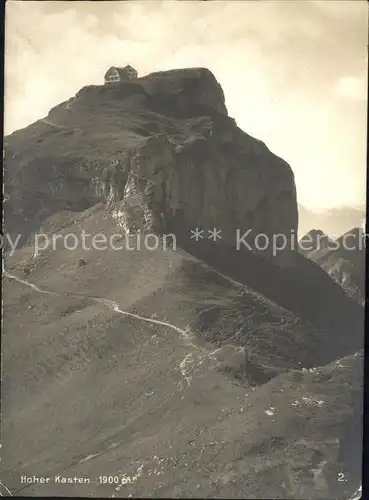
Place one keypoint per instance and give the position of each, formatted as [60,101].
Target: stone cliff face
[161,152]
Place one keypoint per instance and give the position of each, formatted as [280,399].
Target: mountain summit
[162,151]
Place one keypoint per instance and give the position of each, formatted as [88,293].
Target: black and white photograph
[184,249]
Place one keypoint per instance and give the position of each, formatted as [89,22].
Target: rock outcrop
[314,240]
[162,152]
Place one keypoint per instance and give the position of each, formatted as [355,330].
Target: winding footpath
[114,306]
[52,124]
[189,358]
[108,302]
[184,333]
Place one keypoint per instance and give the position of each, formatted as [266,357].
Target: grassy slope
[80,379]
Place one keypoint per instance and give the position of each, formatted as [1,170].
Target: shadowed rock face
[159,149]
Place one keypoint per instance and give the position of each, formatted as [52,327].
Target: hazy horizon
[294,73]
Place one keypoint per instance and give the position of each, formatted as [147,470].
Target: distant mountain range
[334,222]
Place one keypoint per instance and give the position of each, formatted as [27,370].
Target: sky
[294,72]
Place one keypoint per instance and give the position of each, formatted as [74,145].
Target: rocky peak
[354,238]
[163,153]
[314,240]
